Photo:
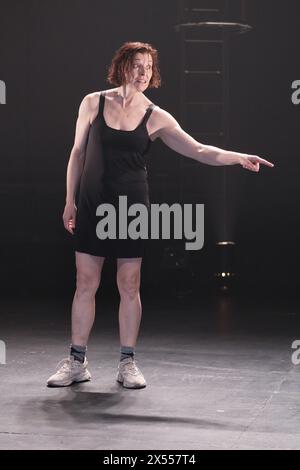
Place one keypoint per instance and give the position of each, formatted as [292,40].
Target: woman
[113,132]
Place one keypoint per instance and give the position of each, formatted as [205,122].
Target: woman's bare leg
[130,310]
[89,270]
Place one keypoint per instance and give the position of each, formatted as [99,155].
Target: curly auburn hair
[123,60]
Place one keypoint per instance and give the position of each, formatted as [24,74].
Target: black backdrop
[53,53]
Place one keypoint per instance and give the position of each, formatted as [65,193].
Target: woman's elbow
[77,154]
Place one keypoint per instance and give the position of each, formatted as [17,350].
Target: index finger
[266,162]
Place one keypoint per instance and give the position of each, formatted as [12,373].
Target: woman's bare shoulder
[161,117]
[90,103]
[92,99]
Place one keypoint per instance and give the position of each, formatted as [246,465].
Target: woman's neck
[127,96]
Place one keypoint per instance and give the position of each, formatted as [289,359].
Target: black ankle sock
[78,352]
[126,351]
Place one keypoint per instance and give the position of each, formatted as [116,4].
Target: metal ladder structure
[205,28]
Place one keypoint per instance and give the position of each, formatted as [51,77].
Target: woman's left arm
[170,132]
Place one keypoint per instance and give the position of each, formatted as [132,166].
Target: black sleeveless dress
[115,165]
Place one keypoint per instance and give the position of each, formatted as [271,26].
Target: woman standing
[114,131]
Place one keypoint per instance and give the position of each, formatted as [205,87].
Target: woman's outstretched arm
[170,132]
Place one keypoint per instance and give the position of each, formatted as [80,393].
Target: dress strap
[148,114]
[101,104]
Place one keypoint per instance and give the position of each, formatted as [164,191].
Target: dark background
[53,53]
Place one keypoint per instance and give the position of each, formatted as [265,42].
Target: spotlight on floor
[225,265]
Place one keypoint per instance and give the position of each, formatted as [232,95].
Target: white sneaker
[129,375]
[68,372]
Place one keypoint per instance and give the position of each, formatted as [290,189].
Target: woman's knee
[88,276]
[129,284]
[87,283]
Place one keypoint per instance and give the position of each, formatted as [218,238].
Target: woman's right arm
[76,161]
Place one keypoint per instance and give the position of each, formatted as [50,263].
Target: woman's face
[141,71]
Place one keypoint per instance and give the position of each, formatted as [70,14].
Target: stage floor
[219,371]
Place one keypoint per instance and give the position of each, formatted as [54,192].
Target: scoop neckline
[123,130]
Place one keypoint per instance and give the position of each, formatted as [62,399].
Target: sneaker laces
[63,365]
[132,368]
